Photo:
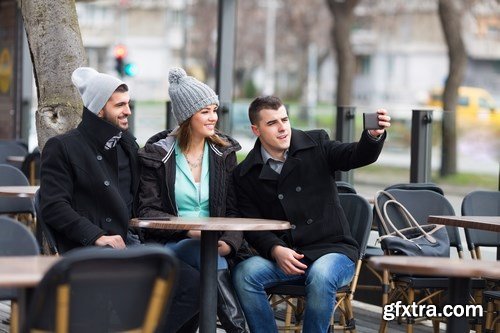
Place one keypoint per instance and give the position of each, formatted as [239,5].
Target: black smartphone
[158,218]
[370,121]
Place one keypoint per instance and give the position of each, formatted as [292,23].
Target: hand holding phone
[370,121]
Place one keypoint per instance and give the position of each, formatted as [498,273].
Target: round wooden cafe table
[209,227]
[18,191]
[488,223]
[459,272]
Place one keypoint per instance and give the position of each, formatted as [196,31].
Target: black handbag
[429,240]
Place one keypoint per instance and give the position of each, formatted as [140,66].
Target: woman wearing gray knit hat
[186,172]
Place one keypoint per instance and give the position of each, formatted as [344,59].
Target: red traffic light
[120,51]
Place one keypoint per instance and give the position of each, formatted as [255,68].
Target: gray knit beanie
[94,87]
[188,95]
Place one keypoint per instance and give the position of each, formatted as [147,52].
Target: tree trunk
[341,30]
[56,50]
[450,17]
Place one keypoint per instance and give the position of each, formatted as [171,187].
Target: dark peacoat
[304,193]
[80,195]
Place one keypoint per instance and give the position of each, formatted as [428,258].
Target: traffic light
[130,69]
[120,53]
[122,67]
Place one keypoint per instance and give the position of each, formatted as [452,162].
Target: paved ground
[367,320]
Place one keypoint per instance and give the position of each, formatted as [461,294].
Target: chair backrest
[421,204]
[44,232]
[16,239]
[416,186]
[345,187]
[31,166]
[11,148]
[104,290]
[12,176]
[359,215]
[481,203]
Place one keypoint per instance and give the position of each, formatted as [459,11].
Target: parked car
[472,102]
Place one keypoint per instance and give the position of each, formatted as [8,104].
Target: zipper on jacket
[172,203]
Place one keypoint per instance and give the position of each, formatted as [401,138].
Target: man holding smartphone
[289,175]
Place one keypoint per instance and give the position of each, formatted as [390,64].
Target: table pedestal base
[458,292]
[208,293]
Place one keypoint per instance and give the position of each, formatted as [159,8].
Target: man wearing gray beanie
[90,176]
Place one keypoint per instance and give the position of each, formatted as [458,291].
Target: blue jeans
[188,250]
[322,279]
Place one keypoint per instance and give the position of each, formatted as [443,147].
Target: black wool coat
[80,195]
[304,193]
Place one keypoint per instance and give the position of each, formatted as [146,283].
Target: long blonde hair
[184,133]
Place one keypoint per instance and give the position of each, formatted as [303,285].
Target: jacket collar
[99,131]
[300,140]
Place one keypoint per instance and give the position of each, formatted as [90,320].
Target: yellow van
[473,102]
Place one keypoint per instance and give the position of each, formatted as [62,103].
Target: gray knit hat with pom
[188,95]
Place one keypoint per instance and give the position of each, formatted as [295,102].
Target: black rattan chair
[11,148]
[481,203]
[485,203]
[345,187]
[44,232]
[15,240]
[12,176]
[104,290]
[359,215]
[375,251]
[410,288]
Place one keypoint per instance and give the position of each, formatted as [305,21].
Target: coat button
[298,189]
[108,219]
[309,221]
[280,196]
[99,157]
[106,183]
[293,226]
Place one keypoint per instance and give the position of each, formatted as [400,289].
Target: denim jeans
[322,279]
[188,250]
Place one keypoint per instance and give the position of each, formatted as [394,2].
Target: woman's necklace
[196,163]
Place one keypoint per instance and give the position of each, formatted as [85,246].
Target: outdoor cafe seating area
[40,290]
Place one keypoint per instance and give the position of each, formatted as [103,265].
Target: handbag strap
[409,217]
[381,216]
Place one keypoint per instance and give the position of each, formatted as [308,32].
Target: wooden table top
[24,271]
[437,266]
[16,159]
[488,223]
[211,224]
[18,191]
